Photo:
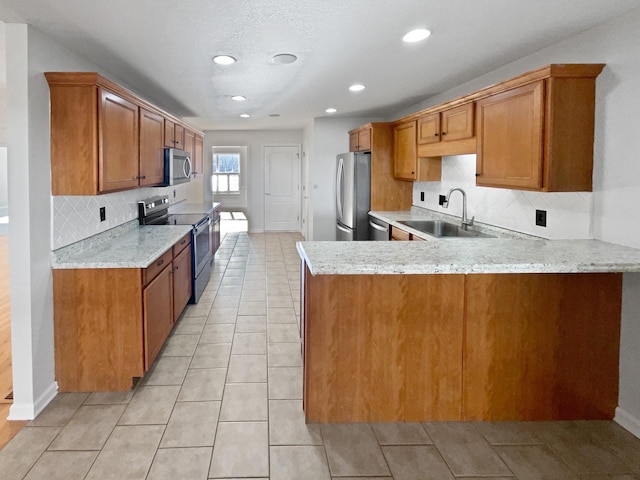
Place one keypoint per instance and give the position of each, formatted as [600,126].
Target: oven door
[201,245]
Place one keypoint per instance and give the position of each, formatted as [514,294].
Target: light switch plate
[541,218]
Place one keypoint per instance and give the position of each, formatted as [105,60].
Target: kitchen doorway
[282,188]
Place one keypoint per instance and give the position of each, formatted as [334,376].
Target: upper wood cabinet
[536,132]
[447,132]
[103,137]
[198,155]
[169,133]
[118,143]
[360,139]
[405,152]
[151,148]
[407,164]
[189,143]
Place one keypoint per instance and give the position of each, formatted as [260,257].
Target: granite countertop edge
[132,247]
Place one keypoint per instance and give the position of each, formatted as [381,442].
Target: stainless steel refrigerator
[353,196]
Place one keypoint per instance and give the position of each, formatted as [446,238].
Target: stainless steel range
[155,211]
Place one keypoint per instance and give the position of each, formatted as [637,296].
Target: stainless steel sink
[440,228]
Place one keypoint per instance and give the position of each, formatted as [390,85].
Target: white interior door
[282,188]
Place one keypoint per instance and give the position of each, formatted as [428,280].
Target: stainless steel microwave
[177,166]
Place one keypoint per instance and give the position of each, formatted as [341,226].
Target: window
[225,168]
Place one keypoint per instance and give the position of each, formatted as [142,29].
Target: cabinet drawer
[156,267]
[181,244]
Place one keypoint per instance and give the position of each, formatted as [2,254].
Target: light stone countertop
[192,208]
[464,255]
[131,246]
[509,252]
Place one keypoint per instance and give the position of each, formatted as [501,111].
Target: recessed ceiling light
[224,59]
[238,98]
[357,87]
[331,110]
[416,35]
[245,115]
[283,58]
[273,115]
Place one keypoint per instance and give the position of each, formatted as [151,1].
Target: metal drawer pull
[160,262]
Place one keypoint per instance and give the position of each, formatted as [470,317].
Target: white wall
[29,54]
[616,176]
[255,140]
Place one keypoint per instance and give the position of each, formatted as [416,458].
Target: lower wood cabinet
[489,347]
[111,323]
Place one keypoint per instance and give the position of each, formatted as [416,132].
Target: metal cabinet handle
[160,262]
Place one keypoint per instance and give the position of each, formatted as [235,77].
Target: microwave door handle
[186,167]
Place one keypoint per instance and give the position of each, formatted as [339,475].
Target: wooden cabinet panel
[457,123]
[189,141]
[98,328]
[151,148]
[169,133]
[399,234]
[360,139]
[158,313]
[198,155]
[429,128]
[179,136]
[405,151]
[382,347]
[510,138]
[181,281]
[181,244]
[537,349]
[118,143]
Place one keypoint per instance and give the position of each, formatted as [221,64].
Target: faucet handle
[469,223]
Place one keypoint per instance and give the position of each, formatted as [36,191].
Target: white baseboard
[627,421]
[29,411]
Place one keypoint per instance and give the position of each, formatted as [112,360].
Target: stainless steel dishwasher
[378,230]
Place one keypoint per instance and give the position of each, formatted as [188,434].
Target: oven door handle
[205,222]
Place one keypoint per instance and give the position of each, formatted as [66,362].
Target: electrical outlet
[103,214]
[422,196]
[541,218]
[441,199]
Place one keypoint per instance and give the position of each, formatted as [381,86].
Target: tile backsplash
[568,213]
[76,217]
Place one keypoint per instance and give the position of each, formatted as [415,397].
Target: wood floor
[7,429]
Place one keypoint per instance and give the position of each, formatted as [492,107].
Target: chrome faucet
[445,203]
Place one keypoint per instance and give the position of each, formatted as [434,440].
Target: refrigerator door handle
[345,230]
[339,192]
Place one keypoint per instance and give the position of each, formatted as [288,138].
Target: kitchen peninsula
[460,329]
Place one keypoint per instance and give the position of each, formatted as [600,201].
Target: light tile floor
[223,400]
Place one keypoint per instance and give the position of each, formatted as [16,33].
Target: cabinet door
[181,281]
[158,314]
[510,136]
[179,136]
[118,143]
[198,155]
[169,134]
[364,139]
[429,129]
[151,148]
[457,123]
[399,234]
[189,140]
[405,151]
[353,142]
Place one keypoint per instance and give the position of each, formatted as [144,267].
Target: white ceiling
[163,48]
